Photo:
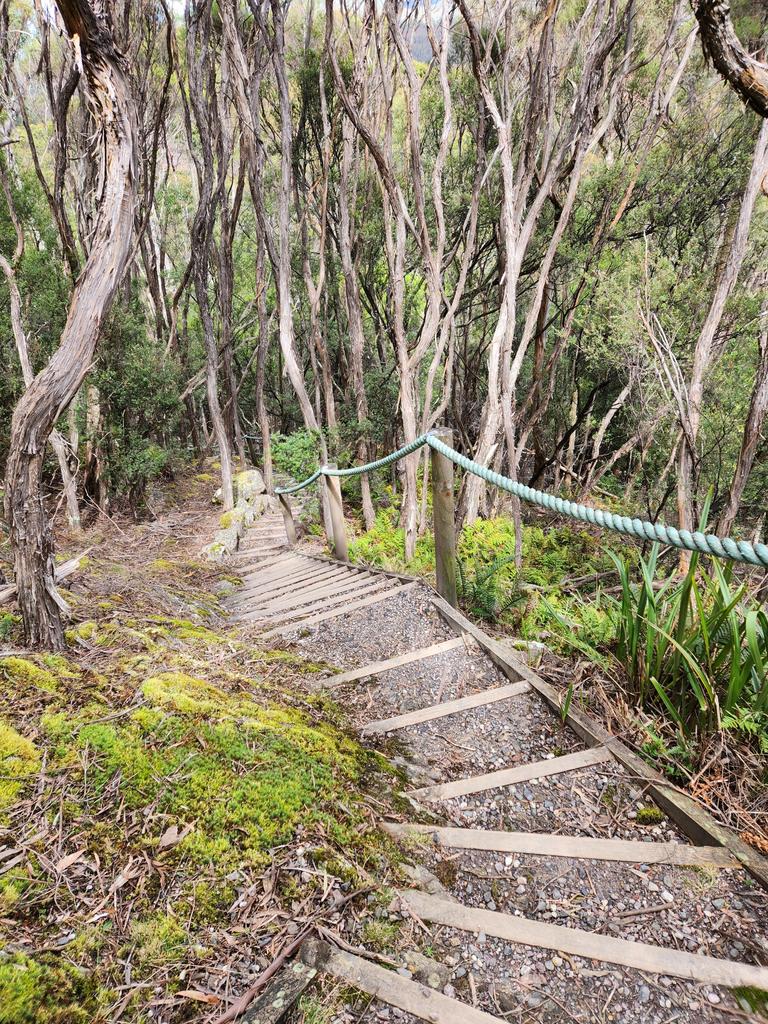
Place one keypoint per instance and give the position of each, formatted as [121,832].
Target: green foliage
[297,454]
[695,647]
[480,592]
[139,394]
[384,546]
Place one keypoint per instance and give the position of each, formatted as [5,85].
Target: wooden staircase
[284,593]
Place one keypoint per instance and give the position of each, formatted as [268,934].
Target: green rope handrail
[705,543]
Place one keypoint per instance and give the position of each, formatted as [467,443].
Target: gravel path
[718,912]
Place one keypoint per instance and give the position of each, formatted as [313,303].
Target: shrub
[296,454]
[696,647]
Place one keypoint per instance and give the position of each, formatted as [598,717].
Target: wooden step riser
[576,942]
[511,776]
[348,609]
[378,667]
[313,592]
[361,589]
[575,847]
[395,990]
[282,583]
[450,707]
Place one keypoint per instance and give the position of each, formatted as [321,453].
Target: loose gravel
[718,912]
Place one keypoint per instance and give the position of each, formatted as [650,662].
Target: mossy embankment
[160,780]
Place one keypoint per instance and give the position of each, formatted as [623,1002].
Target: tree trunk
[732,256]
[745,74]
[55,387]
[753,432]
[202,94]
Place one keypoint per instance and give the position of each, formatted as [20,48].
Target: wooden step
[509,776]
[449,707]
[353,606]
[377,667]
[278,586]
[395,990]
[288,564]
[577,942]
[314,589]
[578,847]
[341,593]
[283,560]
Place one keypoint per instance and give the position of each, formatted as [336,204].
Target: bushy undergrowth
[694,646]
[492,588]
[297,454]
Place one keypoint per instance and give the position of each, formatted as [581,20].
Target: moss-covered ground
[172,804]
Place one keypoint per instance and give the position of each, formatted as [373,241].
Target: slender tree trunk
[202,92]
[261,363]
[354,308]
[753,432]
[55,387]
[732,256]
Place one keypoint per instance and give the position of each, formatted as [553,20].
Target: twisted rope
[685,540]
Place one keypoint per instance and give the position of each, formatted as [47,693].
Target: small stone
[644,994]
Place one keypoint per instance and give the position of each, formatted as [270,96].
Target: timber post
[443,516]
[290,525]
[339,538]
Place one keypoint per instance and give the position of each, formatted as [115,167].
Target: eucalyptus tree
[111,103]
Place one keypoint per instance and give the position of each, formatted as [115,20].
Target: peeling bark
[745,74]
[54,388]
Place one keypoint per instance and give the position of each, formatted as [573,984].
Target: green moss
[233,518]
[184,693]
[19,758]
[100,634]
[21,673]
[163,565]
[45,991]
[649,816]
[246,775]
[380,936]
[158,940]
[209,904]
[184,629]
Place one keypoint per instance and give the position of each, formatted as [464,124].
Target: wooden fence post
[339,538]
[290,525]
[443,517]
